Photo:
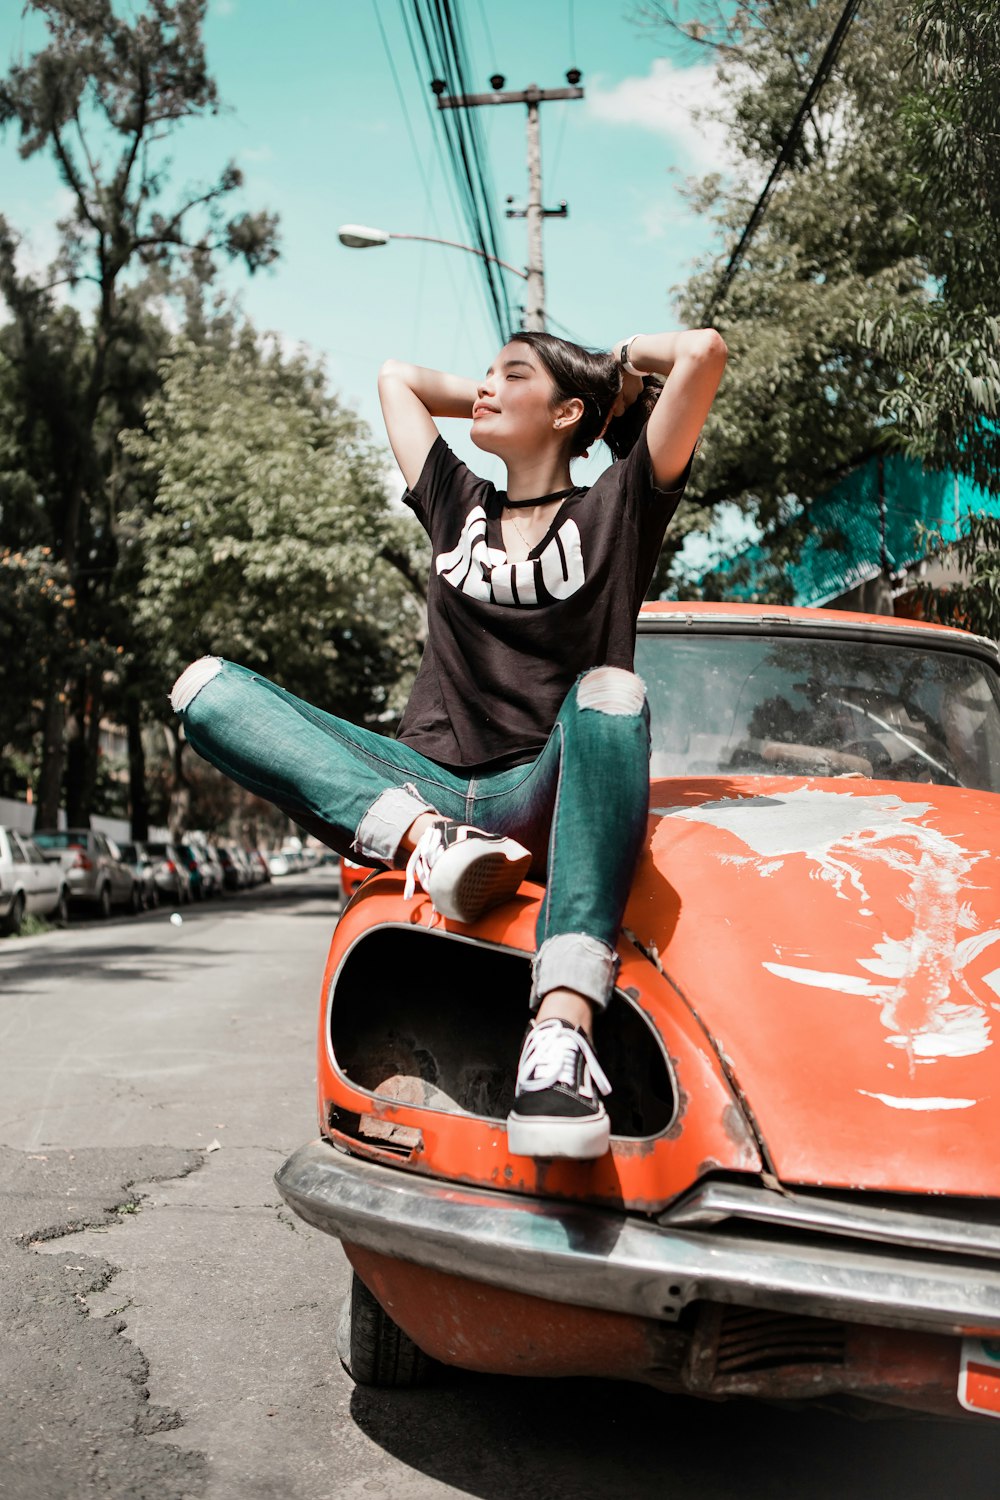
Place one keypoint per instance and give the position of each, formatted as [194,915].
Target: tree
[103,96]
[840,298]
[271,540]
[973,603]
[945,402]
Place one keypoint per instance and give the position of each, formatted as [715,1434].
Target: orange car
[802,1196]
[351,876]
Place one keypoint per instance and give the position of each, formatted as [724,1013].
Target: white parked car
[28,883]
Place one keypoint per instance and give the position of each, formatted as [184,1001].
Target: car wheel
[373,1349]
[61,914]
[104,903]
[154,898]
[135,901]
[14,918]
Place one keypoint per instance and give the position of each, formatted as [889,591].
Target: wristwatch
[623,358]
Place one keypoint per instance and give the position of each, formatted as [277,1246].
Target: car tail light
[169,866]
[81,861]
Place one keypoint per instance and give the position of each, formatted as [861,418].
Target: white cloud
[673,102]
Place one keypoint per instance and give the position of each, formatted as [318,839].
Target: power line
[788,146]
[405,112]
[435,139]
[443,45]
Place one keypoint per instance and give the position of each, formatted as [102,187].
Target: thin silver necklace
[512,505]
[524,539]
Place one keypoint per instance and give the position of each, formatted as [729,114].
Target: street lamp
[361,237]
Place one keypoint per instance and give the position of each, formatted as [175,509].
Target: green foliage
[973,603]
[864,314]
[271,540]
[36,625]
[103,97]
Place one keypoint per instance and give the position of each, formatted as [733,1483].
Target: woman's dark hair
[595,378]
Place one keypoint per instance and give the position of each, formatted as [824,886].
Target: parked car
[209,856]
[95,873]
[260,867]
[28,883]
[170,872]
[802,1195]
[143,867]
[201,874]
[234,872]
[277,863]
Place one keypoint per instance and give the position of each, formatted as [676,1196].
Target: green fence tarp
[844,543]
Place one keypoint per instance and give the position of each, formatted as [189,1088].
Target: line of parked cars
[57,870]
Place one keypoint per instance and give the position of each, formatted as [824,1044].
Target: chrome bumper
[596,1258]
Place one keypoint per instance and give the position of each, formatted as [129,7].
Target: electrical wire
[452,33]
[445,52]
[406,116]
[788,146]
[446,178]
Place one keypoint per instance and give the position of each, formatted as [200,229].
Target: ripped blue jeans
[580,807]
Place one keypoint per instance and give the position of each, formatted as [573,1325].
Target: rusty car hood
[839,940]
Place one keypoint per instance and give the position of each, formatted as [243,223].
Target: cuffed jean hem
[574,961]
[381,830]
[191,681]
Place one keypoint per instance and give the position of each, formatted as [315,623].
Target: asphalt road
[182,1344]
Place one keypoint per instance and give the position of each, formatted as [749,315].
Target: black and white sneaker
[557,1104]
[464,871]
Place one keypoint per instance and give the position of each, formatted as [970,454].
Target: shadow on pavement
[508,1439]
[117,963]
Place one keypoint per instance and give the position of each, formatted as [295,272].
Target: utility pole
[534,212]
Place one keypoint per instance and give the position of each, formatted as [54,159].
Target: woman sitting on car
[525,743]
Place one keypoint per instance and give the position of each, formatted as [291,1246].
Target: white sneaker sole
[582,1139]
[472,876]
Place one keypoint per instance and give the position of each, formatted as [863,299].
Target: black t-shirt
[506,641]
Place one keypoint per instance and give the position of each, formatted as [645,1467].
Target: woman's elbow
[708,346]
[391,369]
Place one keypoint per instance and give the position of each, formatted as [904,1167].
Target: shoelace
[549,1057]
[429,847]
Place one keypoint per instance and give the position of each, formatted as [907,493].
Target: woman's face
[513,415]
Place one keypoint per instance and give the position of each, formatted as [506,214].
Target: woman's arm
[692,362]
[411,398]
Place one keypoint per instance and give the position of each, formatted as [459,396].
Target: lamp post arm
[431,239]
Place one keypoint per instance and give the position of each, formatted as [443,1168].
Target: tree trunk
[76,755]
[138,795]
[180,789]
[50,775]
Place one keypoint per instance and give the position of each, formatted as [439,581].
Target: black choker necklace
[542,499]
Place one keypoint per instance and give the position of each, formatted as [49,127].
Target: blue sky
[314,120]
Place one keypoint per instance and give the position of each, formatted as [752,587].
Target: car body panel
[852,975]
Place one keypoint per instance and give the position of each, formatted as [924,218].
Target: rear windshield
[63,840]
[156,848]
[792,705]
[129,853]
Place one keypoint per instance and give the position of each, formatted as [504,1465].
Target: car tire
[61,914]
[373,1349]
[104,903]
[14,918]
[135,901]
